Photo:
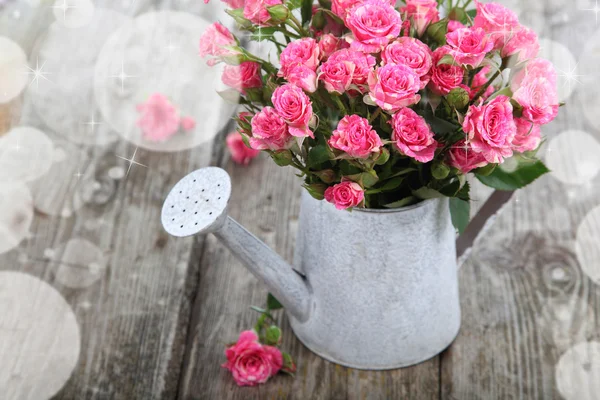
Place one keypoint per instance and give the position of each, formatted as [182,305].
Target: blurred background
[96,301]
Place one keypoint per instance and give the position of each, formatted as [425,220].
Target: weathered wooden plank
[265,200]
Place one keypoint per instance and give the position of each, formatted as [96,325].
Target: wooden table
[154,325]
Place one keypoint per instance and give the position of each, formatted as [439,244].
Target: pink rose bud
[269,131]
[491,129]
[294,106]
[250,362]
[188,123]
[393,87]
[159,119]
[468,46]
[328,43]
[345,195]
[244,76]
[497,21]
[528,136]
[462,157]
[356,137]
[412,53]
[373,24]
[454,25]
[422,12]
[444,77]
[240,153]
[215,39]
[412,135]
[256,11]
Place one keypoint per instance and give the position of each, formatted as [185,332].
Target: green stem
[375,115]
[340,104]
[484,87]
[298,25]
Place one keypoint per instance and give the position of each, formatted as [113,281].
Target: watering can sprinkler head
[197,204]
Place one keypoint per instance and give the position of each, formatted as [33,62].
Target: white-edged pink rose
[413,136]
[328,43]
[373,24]
[497,21]
[244,76]
[363,65]
[523,44]
[256,11]
[528,136]
[393,87]
[491,128]
[454,25]
[294,106]
[412,53]
[341,7]
[422,13]
[250,362]
[462,157]
[536,68]
[240,153]
[214,41]
[336,75]
[444,77]
[269,131]
[356,137]
[468,46]
[345,195]
[299,61]
[539,99]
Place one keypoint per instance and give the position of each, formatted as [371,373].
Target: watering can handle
[478,223]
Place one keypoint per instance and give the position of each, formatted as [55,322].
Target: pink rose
[412,135]
[187,123]
[497,21]
[159,119]
[528,136]
[214,40]
[536,68]
[345,195]
[412,53]
[356,137]
[244,76]
[539,99]
[523,44]
[336,75]
[341,7]
[294,106]
[240,153]
[256,11]
[444,77]
[363,65]
[299,61]
[491,129]
[422,12]
[328,43]
[373,24]
[269,131]
[454,25]
[302,77]
[394,86]
[462,157]
[250,362]
[234,4]
[468,46]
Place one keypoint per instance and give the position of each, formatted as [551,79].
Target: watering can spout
[197,204]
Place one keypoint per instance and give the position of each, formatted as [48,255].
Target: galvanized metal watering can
[370,289]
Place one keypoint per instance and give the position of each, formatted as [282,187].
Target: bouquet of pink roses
[383,106]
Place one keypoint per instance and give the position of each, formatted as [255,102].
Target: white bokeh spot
[587,245]
[73,13]
[26,154]
[13,68]
[578,372]
[16,215]
[80,263]
[565,64]
[572,156]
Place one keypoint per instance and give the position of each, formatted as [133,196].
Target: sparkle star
[171,47]
[37,73]
[595,10]
[92,123]
[78,175]
[132,161]
[123,76]
[569,76]
[64,7]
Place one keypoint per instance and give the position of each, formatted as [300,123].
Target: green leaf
[293,4]
[460,213]
[447,59]
[316,190]
[318,155]
[289,367]
[282,157]
[262,311]
[438,125]
[382,157]
[392,184]
[230,95]
[273,303]
[451,189]
[306,10]
[261,34]
[472,13]
[425,193]
[402,203]
[524,174]
[333,16]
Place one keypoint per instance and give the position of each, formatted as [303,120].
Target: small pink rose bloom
[214,40]
[234,4]
[336,75]
[528,136]
[269,131]
[468,46]
[462,157]
[299,61]
[497,21]
[393,87]
[362,66]
[341,7]
[444,77]
[356,137]
[373,24]
[244,76]
[187,123]
[240,153]
[422,12]
[412,53]
[454,25]
[159,119]
[539,99]
[328,43]
[256,11]
[412,135]
[491,129]
[250,362]
[523,44]
[294,106]
[536,68]
[345,195]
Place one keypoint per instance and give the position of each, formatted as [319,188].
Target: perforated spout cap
[197,204]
